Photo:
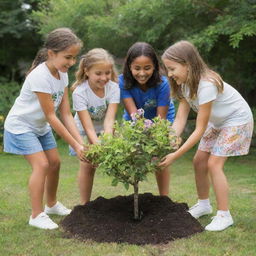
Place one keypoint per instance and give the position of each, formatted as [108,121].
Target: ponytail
[58,40]
[80,74]
[41,56]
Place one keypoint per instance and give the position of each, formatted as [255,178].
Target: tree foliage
[18,39]
[223,30]
[133,151]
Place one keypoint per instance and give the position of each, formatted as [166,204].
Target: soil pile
[111,220]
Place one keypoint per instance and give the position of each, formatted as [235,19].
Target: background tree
[18,45]
[18,38]
[223,30]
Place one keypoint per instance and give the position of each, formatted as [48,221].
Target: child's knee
[195,161]
[198,161]
[214,166]
[41,167]
[55,165]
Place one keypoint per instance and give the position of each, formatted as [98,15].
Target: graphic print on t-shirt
[57,97]
[97,113]
[150,103]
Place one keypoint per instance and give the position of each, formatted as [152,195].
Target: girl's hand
[167,160]
[80,152]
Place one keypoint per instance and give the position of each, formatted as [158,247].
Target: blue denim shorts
[28,143]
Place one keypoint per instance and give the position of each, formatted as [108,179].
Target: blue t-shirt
[149,100]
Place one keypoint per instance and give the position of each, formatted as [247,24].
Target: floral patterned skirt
[227,141]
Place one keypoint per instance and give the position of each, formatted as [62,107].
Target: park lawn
[18,238]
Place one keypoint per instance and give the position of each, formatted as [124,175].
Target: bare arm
[47,105]
[68,119]
[201,125]
[131,108]
[129,105]
[110,118]
[181,117]
[88,126]
[162,111]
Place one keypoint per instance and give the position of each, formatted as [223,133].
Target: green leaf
[114,182]
[126,185]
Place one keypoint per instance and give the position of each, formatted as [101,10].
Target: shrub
[9,92]
[135,149]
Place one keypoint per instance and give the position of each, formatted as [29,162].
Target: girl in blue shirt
[142,86]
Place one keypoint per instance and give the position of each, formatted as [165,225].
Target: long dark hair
[58,40]
[136,50]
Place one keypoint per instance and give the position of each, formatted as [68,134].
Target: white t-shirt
[85,99]
[228,109]
[26,115]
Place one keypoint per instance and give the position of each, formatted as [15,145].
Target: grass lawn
[18,238]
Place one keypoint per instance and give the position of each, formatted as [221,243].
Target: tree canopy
[223,30]
[18,40]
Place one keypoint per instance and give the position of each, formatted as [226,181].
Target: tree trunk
[136,201]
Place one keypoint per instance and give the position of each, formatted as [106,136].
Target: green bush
[254,130]
[9,92]
[1,131]
[134,150]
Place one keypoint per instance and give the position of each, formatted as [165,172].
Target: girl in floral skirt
[224,124]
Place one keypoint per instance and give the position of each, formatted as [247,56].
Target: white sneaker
[43,221]
[58,209]
[198,210]
[219,223]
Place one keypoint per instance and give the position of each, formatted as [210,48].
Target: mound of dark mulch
[111,220]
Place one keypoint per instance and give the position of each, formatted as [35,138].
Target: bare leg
[52,178]
[85,181]
[200,163]
[219,181]
[163,180]
[39,164]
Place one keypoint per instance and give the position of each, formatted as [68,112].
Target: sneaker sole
[42,227]
[198,216]
[216,230]
[54,213]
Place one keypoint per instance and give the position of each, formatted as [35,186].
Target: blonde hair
[94,56]
[186,53]
[58,40]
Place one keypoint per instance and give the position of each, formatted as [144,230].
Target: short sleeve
[124,93]
[114,96]
[64,77]
[207,92]
[163,97]
[79,102]
[39,83]
[40,80]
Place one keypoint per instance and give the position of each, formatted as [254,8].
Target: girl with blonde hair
[224,124]
[95,99]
